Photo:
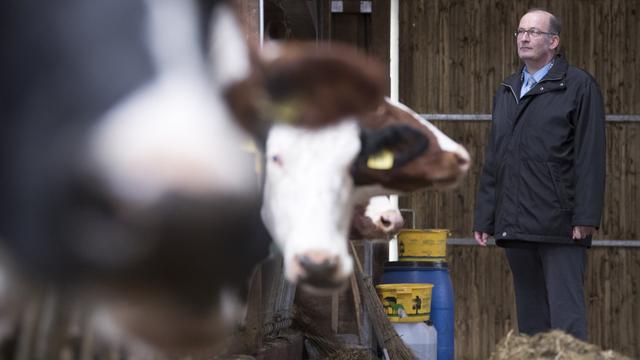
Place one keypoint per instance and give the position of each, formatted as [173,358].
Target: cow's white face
[308,200]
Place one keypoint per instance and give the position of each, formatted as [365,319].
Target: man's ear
[555,42]
[315,86]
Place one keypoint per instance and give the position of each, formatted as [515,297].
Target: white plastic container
[393,249]
[420,337]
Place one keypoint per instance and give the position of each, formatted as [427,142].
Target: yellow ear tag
[286,112]
[382,160]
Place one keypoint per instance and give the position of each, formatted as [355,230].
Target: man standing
[541,190]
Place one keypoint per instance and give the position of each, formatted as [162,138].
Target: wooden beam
[335,312]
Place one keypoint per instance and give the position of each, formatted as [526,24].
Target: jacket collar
[557,71]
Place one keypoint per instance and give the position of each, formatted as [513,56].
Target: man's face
[532,48]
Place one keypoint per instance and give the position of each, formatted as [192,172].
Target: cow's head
[403,152]
[335,131]
[379,218]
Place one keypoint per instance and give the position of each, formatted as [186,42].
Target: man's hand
[581,232]
[481,238]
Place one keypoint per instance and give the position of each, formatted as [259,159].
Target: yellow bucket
[422,245]
[406,302]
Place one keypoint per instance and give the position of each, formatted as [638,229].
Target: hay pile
[555,345]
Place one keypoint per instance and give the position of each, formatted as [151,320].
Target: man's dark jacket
[544,169]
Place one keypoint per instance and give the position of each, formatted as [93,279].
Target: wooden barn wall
[367,31]
[453,55]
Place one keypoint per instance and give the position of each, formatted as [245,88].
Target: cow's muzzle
[321,272]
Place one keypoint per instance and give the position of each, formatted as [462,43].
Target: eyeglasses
[533,33]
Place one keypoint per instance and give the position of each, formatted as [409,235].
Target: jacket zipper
[513,92]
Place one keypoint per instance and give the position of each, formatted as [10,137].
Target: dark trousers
[549,286]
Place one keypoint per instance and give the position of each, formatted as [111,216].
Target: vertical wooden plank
[335,304]
[355,290]
[249,15]
[254,321]
[379,41]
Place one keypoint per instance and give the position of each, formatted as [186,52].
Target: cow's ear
[385,149]
[315,86]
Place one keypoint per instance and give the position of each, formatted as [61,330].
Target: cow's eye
[277,159]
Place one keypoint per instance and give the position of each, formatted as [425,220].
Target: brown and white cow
[336,143]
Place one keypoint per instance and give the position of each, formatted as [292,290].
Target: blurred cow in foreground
[121,169]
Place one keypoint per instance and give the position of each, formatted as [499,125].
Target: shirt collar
[538,75]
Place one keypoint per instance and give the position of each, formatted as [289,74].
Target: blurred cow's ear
[314,86]
[386,149]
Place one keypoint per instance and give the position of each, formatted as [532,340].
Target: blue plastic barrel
[442,304]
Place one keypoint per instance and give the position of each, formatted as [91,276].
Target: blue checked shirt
[530,80]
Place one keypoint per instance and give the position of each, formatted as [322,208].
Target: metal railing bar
[595,243]
[487,117]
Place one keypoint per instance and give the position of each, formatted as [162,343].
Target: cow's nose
[320,271]
[391,221]
[318,265]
